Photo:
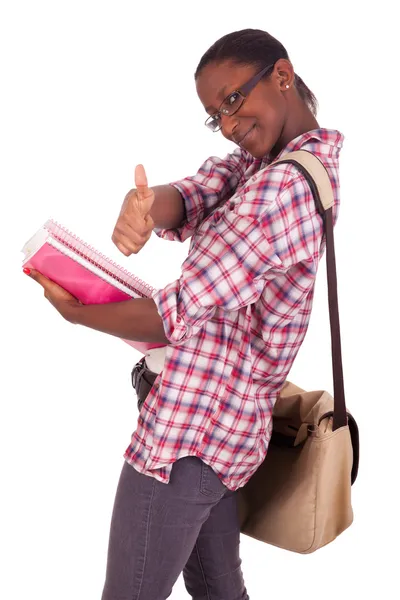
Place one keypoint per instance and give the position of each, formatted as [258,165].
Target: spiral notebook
[83,271]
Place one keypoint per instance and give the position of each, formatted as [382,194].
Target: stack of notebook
[83,271]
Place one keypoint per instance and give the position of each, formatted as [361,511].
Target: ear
[284,74]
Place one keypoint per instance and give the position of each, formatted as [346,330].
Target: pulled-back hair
[257,48]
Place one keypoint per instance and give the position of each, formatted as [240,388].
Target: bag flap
[295,410]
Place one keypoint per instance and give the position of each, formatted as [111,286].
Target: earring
[287,86]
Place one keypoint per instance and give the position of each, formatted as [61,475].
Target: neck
[303,120]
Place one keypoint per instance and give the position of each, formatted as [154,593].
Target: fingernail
[27,271]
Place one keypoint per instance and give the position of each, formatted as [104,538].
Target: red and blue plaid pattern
[239,312]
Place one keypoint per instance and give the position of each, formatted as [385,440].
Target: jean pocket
[210,484]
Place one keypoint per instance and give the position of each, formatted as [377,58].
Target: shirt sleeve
[213,184]
[237,254]
[225,271]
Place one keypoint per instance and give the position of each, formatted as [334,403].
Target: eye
[231,103]
[213,122]
[233,98]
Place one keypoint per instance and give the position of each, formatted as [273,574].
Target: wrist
[71,312]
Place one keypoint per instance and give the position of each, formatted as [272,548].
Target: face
[259,124]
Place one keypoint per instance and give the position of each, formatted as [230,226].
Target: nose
[228,125]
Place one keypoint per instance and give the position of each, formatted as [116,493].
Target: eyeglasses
[234,101]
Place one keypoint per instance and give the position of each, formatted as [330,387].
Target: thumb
[144,193]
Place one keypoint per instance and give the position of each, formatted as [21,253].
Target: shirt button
[178,319]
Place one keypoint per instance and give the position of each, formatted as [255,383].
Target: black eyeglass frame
[243,92]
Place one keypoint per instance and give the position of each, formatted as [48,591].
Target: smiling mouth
[245,136]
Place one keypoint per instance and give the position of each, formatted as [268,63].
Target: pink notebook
[83,271]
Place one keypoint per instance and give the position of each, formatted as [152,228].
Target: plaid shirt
[238,314]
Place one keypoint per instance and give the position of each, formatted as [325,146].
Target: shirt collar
[330,137]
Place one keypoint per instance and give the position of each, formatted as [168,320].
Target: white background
[90,89]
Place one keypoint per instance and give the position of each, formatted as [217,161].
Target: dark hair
[254,47]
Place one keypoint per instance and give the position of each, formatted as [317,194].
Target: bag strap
[318,179]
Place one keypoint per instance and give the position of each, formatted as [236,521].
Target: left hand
[62,300]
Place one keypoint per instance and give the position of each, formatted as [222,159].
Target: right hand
[134,225]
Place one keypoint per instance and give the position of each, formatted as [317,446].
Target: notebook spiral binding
[89,253]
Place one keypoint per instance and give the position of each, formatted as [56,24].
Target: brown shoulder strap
[318,179]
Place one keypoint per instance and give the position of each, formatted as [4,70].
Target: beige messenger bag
[300,497]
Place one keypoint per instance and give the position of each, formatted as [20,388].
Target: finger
[129,244]
[149,222]
[42,280]
[144,194]
[128,248]
[38,277]
[123,249]
[141,181]
[126,231]
[45,282]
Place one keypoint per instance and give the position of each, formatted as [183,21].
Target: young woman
[232,323]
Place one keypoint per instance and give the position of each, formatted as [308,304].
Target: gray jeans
[160,530]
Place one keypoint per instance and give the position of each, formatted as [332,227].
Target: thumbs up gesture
[134,225]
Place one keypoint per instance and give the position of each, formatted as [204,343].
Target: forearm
[135,319]
[168,210]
